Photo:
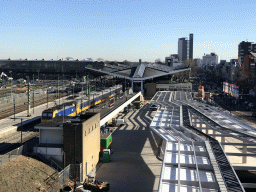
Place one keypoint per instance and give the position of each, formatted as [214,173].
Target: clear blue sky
[123,29]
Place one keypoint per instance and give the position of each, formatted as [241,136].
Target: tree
[100,59]
[90,59]
[191,64]
[158,61]
[126,62]
[69,58]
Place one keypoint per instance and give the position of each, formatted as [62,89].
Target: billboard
[234,90]
[201,91]
[225,87]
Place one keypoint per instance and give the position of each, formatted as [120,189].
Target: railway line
[14,140]
[19,107]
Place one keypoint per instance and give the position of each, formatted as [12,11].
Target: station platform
[10,125]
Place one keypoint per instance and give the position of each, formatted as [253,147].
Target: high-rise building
[183,49]
[191,36]
[254,48]
[244,48]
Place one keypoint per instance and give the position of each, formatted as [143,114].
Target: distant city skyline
[123,30]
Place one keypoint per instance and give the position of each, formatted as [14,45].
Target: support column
[244,158]
[141,86]
[213,132]
[223,141]
[132,85]
[206,130]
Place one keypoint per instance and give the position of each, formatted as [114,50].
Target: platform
[10,125]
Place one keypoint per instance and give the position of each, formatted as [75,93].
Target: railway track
[7,112]
[14,140]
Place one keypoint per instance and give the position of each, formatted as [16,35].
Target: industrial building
[71,140]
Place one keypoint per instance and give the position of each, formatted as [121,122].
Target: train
[78,105]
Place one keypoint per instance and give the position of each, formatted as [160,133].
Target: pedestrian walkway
[10,125]
[134,165]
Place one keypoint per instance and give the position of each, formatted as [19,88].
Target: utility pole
[58,90]
[14,107]
[47,96]
[11,83]
[21,132]
[33,101]
[28,112]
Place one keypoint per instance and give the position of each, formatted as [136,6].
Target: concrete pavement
[8,125]
[134,165]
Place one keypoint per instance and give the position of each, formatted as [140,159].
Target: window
[92,128]
[85,133]
[89,130]
[95,126]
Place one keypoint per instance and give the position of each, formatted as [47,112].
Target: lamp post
[58,90]
[14,108]
[11,83]
[21,132]
[33,101]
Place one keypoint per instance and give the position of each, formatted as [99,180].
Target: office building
[185,48]
[191,36]
[245,48]
[210,59]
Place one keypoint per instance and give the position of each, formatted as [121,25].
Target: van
[119,122]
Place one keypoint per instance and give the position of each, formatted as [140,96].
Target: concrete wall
[49,152]
[91,144]
[51,136]
[150,90]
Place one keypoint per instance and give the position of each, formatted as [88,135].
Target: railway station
[195,146]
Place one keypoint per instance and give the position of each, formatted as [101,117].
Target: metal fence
[11,155]
[27,147]
[71,172]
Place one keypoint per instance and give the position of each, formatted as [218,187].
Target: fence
[27,147]
[71,172]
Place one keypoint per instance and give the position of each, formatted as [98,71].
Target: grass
[25,174]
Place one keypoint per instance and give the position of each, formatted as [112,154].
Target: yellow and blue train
[75,107]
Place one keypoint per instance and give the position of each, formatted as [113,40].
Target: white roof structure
[139,72]
[190,162]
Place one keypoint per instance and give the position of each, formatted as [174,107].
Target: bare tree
[158,60]
[90,59]
[69,58]
[100,59]
[126,62]
[191,64]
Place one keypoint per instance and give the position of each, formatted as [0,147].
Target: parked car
[250,105]
[153,107]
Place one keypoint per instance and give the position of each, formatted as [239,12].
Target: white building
[198,62]
[210,59]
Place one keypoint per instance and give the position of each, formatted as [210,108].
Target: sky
[123,29]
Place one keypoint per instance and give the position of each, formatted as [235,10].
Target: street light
[11,83]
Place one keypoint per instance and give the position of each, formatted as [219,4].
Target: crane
[3,74]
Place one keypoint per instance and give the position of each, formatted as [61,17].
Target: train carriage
[75,107]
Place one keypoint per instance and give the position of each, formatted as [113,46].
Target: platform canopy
[139,72]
